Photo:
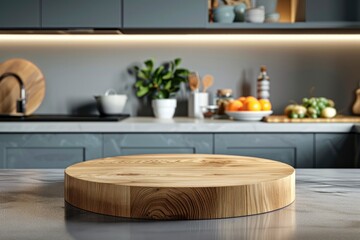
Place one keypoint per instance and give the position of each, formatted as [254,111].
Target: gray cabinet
[171,14]
[81,14]
[19,14]
[129,144]
[332,10]
[48,150]
[294,149]
[335,150]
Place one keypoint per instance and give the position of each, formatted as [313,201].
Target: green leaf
[142,91]
[177,62]
[139,84]
[158,71]
[158,80]
[168,85]
[167,75]
[178,80]
[149,64]
[181,71]
[142,75]
[163,94]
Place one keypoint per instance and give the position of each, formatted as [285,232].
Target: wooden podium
[180,186]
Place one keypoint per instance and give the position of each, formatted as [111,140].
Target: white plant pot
[164,108]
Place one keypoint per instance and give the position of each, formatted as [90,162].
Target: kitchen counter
[326,207]
[179,125]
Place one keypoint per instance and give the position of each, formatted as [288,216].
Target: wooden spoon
[207,81]
[194,81]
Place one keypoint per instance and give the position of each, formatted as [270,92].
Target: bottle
[356,106]
[263,84]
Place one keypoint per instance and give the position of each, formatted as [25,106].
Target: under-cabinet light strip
[182,38]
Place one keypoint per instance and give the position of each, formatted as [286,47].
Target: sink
[62,118]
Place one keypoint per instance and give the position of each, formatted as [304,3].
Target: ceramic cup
[255,15]
[224,14]
[240,12]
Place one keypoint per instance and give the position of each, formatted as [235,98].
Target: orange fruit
[242,99]
[253,106]
[250,98]
[265,104]
[234,106]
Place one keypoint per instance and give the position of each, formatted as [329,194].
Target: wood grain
[337,119]
[180,186]
[34,82]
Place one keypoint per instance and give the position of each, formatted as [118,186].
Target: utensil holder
[196,101]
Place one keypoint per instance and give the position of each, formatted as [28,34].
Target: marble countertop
[177,125]
[326,207]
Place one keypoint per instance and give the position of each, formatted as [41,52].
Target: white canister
[197,100]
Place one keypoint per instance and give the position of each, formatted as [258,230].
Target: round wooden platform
[180,186]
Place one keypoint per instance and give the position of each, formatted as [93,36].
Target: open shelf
[290,10]
[312,15]
[283,26]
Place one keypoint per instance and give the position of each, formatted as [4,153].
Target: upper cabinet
[165,14]
[180,16]
[333,14]
[104,14]
[332,10]
[19,14]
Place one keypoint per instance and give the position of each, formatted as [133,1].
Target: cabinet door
[335,150]
[294,149]
[19,14]
[130,144]
[48,150]
[165,14]
[332,10]
[81,14]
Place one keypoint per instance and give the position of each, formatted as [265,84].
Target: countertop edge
[176,125]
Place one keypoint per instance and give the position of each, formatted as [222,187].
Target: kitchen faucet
[20,103]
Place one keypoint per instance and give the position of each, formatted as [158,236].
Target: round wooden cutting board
[180,186]
[10,91]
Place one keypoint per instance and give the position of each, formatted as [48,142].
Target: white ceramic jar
[255,15]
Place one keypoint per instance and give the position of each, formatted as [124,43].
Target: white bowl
[255,15]
[111,104]
[248,115]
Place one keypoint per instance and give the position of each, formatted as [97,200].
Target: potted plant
[161,85]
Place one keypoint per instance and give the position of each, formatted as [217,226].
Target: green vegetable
[294,115]
[311,108]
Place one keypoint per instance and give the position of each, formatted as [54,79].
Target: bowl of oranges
[249,109]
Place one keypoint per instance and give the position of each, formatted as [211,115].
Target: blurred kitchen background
[77,68]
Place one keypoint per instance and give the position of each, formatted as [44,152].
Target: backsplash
[77,70]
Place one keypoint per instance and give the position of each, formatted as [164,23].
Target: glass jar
[223,97]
